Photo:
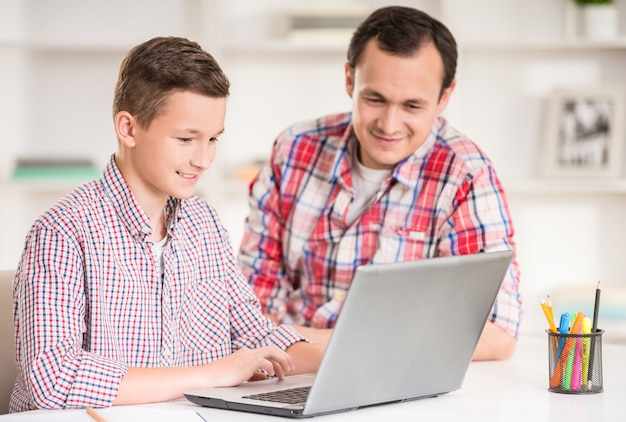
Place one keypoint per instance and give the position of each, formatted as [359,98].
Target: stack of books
[49,169]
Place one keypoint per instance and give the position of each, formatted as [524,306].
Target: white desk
[514,390]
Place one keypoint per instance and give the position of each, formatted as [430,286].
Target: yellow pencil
[548,315]
[549,303]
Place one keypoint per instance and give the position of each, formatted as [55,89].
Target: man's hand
[495,344]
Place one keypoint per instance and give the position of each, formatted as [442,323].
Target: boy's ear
[125,128]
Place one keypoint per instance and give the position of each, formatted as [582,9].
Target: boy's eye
[187,140]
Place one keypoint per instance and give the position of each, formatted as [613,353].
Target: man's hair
[402,31]
[155,69]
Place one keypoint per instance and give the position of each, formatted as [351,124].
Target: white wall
[59,61]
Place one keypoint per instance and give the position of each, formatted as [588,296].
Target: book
[45,169]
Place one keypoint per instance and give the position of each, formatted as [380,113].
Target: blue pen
[563,329]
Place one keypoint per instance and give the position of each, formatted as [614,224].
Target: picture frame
[584,133]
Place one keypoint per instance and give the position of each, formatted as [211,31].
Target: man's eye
[185,140]
[213,140]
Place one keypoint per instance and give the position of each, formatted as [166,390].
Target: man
[128,290]
[390,181]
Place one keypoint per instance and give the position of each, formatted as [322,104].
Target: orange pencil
[559,370]
[95,415]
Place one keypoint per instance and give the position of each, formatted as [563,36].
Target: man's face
[170,155]
[395,101]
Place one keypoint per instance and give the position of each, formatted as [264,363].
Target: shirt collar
[128,209]
[341,170]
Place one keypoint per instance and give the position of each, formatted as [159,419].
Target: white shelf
[286,47]
[307,47]
[233,186]
[555,45]
[566,187]
[74,46]
[61,46]
[51,186]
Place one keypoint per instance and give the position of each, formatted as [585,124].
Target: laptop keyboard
[289,396]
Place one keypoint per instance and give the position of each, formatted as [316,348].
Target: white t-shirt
[366,182]
[157,251]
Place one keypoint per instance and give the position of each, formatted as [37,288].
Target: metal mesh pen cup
[575,362]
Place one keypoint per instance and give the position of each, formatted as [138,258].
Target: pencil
[548,315]
[596,308]
[594,328]
[95,415]
[549,303]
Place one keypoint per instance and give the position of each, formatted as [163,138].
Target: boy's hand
[249,364]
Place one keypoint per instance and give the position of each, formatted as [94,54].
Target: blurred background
[59,62]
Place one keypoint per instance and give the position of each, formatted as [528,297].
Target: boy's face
[168,157]
[395,101]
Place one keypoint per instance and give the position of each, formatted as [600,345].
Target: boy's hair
[402,31]
[153,70]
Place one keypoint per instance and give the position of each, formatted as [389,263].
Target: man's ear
[445,97]
[125,128]
[349,79]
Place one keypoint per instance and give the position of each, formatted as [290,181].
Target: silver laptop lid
[407,330]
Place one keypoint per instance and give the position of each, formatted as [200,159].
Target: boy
[128,290]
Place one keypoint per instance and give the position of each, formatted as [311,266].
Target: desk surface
[514,390]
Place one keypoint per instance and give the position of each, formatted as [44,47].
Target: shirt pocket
[400,244]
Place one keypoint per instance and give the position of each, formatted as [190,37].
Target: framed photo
[584,133]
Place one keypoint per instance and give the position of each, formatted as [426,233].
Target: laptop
[407,331]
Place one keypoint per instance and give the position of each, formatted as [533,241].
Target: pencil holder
[575,362]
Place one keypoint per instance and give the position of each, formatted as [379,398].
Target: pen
[548,315]
[563,329]
[95,415]
[585,362]
[576,376]
[569,365]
